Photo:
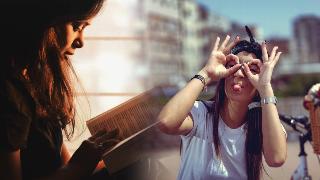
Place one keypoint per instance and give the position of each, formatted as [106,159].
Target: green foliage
[295,85]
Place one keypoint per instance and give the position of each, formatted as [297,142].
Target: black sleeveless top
[39,140]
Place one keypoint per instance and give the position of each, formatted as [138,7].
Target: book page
[135,119]
[131,116]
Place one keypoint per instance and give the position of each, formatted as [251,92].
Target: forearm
[174,115]
[274,140]
[176,110]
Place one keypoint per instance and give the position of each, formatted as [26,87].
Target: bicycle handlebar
[298,123]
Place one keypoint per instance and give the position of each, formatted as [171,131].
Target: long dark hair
[253,128]
[39,27]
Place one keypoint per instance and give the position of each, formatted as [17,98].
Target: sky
[275,17]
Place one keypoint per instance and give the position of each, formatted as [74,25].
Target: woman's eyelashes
[254,68]
[77,26]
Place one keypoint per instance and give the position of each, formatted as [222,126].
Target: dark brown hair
[47,73]
[253,145]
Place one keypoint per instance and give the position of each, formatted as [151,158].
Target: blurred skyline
[274,17]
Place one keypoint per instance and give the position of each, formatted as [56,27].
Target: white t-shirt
[198,156]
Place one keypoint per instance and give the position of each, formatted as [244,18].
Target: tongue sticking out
[236,87]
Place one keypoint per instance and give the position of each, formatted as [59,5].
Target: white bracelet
[254,105]
[268,100]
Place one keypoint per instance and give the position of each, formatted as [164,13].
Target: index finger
[216,44]
[231,45]
[265,56]
[224,43]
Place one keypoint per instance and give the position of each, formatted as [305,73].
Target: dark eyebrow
[84,22]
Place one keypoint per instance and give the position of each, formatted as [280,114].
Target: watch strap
[269,100]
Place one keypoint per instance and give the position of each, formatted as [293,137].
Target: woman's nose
[78,42]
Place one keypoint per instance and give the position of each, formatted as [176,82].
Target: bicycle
[301,125]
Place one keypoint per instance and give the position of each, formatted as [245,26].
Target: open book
[135,119]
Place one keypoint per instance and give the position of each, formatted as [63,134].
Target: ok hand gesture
[263,79]
[215,67]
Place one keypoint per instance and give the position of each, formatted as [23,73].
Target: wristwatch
[268,100]
[202,79]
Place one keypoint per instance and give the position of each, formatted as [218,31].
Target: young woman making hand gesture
[225,138]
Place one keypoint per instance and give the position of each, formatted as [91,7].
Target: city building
[147,36]
[212,25]
[162,45]
[285,61]
[303,48]
[191,40]
[306,32]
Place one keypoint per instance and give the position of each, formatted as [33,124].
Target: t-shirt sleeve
[15,116]
[198,113]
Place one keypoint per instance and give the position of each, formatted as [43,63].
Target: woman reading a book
[226,137]
[37,97]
